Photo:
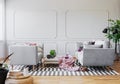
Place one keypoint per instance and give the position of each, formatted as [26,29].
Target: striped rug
[56,71]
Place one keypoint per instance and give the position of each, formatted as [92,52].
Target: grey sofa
[96,57]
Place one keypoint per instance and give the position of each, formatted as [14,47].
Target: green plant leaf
[52,53]
[114,30]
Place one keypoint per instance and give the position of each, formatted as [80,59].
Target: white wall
[62,21]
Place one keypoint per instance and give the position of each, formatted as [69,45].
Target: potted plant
[113,32]
[52,54]
[3,71]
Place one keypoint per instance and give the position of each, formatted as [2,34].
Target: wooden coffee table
[45,61]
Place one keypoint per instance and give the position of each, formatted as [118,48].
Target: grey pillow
[102,42]
[92,46]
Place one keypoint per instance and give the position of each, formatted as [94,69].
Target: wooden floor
[79,79]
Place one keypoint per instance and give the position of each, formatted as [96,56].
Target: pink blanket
[67,63]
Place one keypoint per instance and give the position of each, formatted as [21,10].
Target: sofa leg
[12,67]
[33,67]
[43,65]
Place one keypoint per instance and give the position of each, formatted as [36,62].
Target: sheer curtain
[1,25]
[2,30]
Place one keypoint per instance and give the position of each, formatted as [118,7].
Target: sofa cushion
[92,46]
[102,42]
[92,42]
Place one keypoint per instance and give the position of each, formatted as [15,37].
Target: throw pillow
[99,42]
[79,46]
[91,42]
[92,46]
[102,42]
[80,49]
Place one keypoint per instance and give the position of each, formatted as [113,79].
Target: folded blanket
[67,63]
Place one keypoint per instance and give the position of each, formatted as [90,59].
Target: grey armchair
[24,55]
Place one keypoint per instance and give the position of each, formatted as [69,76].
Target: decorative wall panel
[86,24]
[35,24]
[71,48]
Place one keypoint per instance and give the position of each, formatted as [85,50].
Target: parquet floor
[80,79]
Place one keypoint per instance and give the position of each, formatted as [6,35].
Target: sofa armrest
[80,56]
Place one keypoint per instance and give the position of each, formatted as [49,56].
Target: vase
[3,75]
[48,56]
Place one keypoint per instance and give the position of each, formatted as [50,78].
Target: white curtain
[1,24]
[3,47]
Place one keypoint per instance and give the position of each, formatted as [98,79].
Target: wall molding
[73,49]
[38,36]
[106,12]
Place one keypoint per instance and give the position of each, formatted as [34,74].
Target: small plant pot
[3,75]
[48,56]
[52,56]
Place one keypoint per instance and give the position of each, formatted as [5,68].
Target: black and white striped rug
[56,71]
